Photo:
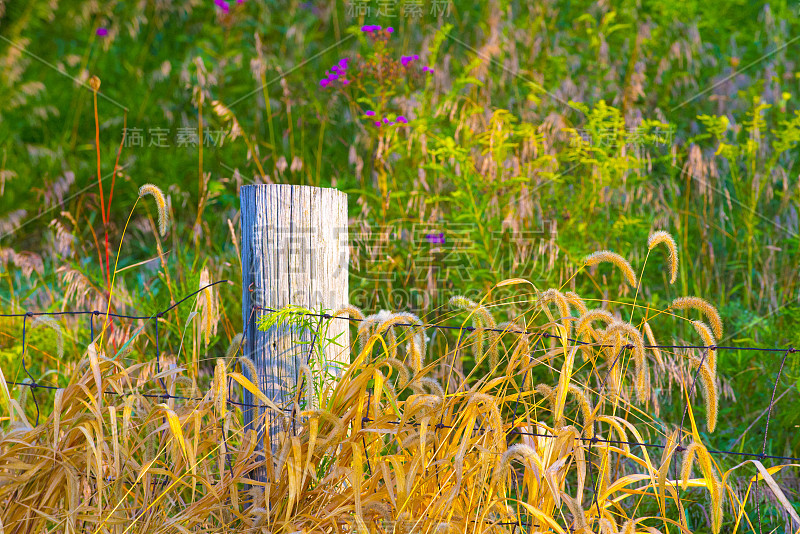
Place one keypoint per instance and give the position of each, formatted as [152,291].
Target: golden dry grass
[401,443]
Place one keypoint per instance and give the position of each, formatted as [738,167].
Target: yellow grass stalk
[665,238]
[493,408]
[605,256]
[651,340]
[403,376]
[586,409]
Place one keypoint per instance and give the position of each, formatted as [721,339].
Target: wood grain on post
[294,251]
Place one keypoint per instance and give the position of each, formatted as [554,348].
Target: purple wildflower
[415,56]
[343,63]
[385,120]
[367,29]
[369,113]
[390,29]
[377,123]
[333,77]
[323,83]
[222,5]
[240,1]
[102,32]
[435,238]
[402,119]
[345,82]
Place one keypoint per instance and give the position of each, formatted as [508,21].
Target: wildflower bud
[94,83]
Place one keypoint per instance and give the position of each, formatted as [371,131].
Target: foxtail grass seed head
[660,237]
[586,319]
[161,203]
[521,451]
[635,338]
[576,301]
[220,387]
[481,319]
[709,380]
[710,476]
[234,347]
[433,385]
[403,376]
[51,323]
[711,313]
[554,295]
[709,341]
[605,256]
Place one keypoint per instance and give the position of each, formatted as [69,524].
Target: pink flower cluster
[225,6]
[399,120]
[375,28]
[405,60]
[336,73]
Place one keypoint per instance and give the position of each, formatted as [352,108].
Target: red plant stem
[102,201]
[100,186]
[116,163]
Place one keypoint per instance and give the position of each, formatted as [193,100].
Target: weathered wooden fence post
[294,251]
